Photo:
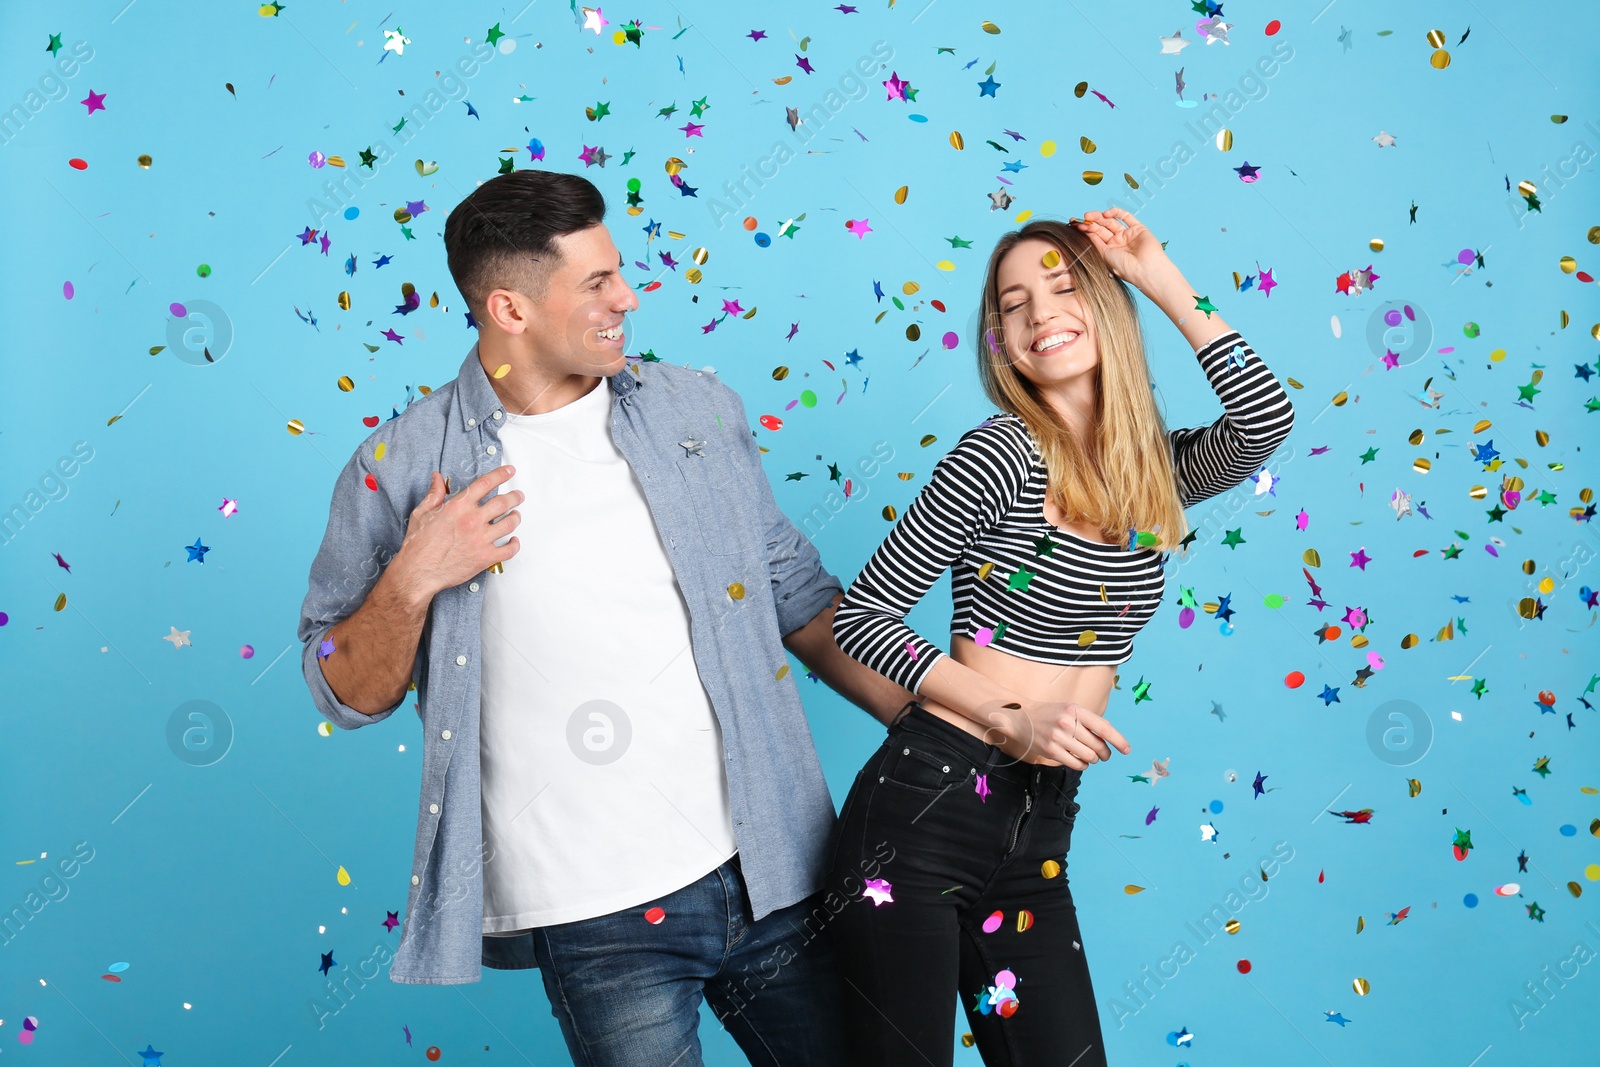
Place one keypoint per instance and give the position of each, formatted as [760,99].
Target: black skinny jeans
[915,818]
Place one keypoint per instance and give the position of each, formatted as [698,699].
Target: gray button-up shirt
[686,437]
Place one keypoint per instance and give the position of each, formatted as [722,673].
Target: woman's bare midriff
[1088,686]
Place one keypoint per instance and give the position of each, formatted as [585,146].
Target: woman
[1056,514]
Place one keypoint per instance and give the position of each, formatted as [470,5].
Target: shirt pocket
[716,491]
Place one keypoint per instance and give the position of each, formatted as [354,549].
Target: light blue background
[211,882]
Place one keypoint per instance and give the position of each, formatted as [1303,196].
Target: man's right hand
[448,540]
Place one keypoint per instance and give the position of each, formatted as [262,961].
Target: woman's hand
[1129,249]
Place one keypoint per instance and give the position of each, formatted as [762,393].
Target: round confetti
[67,290]
[992,923]
[1244,966]
[654,916]
[246,651]
[78,164]
[1470,900]
[1047,149]
[203,270]
[762,240]
[1050,868]
[433,1052]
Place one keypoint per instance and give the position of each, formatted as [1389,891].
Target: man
[619,786]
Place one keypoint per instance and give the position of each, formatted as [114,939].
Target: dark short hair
[502,236]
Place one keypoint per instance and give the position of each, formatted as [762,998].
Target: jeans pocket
[923,765]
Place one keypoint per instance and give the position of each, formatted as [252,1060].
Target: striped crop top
[1019,583]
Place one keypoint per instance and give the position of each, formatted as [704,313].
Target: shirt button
[444,734]
[415,880]
[491,450]
[473,587]
[433,809]
[472,422]
[497,416]
[461,661]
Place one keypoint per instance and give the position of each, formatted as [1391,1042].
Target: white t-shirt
[603,782]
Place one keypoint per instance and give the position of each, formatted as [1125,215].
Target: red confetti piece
[1294,680]
[1244,966]
[78,164]
[1273,27]
[654,916]
[372,483]
[370,421]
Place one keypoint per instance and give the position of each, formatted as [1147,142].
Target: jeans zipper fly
[1027,806]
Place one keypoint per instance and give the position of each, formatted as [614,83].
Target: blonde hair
[1122,478]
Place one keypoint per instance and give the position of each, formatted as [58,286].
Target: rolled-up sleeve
[801,585]
[362,536]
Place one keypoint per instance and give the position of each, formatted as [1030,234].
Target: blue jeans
[953,856]
[627,993]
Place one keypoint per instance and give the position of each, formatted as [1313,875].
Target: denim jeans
[627,993]
[960,854]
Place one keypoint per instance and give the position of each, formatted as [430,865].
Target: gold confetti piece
[1361,986]
[1051,260]
[967,1040]
[1358,640]
[325,728]
[1416,437]
[888,512]
[780,373]
[1312,557]
[1050,868]
[1086,145]
[1547,585]
[1478,492]
[61,601]
[157,349]
[736,590]
[955,140]
[910,288]
[1568,264]
[1232,926]
[1421,466]
[1087,638]
[379,451]
[1092,177]
[145,161]
[402,216]
[1594,235]
[502,370]
[1414,786]
[1528,565]
[1131,889]
[1361,924]
[344,300]
[343,876]
[983,571]
[900,194]
[1409,641]
[1025,918]
[693,275]
[675,235]
[927,439]
[1526,607]
[905,476]
[913,332]
[1340,398]
[1376,244]
[1079,89]
[700,255]
[1439,60]
[783,672]
[1447,632]
[748,315]
[1132,182]
[335,161]
[785,80]
[1575,889]
[1541,436]
[346,383]
[989,27]
[296,427]
[1224,140]
[1436,38]
[1103,599]
[1294,384]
